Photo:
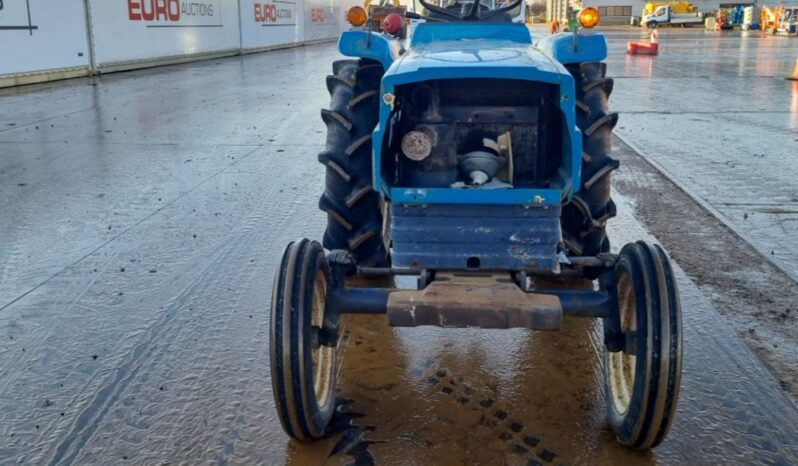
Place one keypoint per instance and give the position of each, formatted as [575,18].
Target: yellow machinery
[676,7]
[780,20]
[769,18]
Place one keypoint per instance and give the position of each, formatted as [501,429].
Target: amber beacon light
[589,17]
[357,16]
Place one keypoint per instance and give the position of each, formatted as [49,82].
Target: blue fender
[367,44]
[568,48]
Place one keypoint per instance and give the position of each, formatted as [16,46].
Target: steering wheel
[463,9]
[477,12]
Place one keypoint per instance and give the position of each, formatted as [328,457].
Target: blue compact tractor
[479,161]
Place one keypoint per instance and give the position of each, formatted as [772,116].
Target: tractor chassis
[498,300]
[635,295]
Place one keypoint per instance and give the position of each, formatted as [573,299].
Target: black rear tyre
[585,217]
[302,351]
[354,219]
[642,381]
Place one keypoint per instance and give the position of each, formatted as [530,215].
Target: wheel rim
[322,356]
[621,364]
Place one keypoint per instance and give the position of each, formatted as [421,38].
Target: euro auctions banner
[134,30]
[42,35]
[53,37]
[266,23]
[170,13]
[321,19]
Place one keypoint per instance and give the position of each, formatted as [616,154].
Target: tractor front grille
[475,237]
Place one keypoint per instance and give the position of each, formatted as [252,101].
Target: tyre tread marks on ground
[493,416]
[584,219]
[354,216]
[93,414]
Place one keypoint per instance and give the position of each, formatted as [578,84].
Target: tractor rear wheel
[585,217]
[354,219]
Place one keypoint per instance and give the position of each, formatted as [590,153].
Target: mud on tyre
[354,219]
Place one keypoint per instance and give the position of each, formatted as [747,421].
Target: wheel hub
[321,354]
[622,363]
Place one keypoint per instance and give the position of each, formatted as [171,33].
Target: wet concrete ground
[715,112]
[143,216]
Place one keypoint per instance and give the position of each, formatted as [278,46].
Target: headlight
[417,145]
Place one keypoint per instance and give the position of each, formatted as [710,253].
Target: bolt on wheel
[642,380]
[302,346]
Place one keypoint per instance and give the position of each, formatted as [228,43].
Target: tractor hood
[477,51]
[464,50]
[457,50]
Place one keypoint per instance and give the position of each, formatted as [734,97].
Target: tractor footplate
[484,301]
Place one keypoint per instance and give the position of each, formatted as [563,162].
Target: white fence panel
[42,36]
[321,19]
[269,23]
[134,31]
[50,39]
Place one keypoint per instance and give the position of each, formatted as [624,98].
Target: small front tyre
[642,380]
[302,346]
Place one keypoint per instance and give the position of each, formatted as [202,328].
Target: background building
[558,9]
[621,11]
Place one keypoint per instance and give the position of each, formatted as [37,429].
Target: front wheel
[303,346]
[642,380]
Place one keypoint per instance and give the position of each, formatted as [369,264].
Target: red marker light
[392,23]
